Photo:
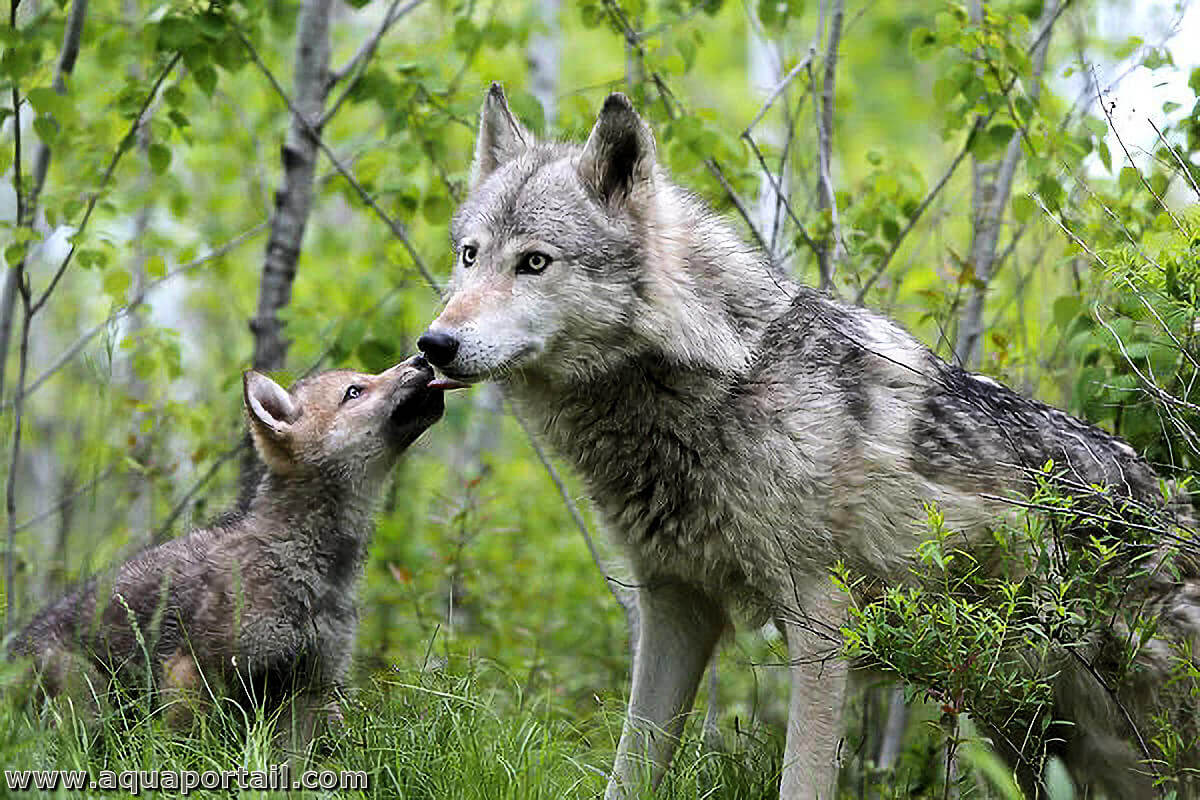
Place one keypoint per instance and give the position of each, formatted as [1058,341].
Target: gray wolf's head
[341,424]
[551,246]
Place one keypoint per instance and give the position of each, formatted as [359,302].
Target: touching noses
[438,347]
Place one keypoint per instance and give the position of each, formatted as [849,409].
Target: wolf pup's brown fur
[262,603]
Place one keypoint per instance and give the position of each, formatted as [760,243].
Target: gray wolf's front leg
[680,627]
[819,678]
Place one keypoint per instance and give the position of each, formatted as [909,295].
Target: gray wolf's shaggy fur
[260,605]
[739,433]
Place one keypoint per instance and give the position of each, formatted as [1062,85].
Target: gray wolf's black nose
[438,347]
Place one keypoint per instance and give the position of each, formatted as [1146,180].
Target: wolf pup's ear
[619,153]
[271,410]
[501,137]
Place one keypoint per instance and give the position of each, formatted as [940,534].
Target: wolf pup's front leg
[680,627]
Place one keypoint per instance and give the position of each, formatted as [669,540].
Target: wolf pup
[739,433]
[261,604]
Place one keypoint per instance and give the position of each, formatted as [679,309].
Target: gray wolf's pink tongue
[446,384]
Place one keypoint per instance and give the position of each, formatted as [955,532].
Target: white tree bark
[830,252]
[293,200]
[766,71]
[544,56]
[991,187]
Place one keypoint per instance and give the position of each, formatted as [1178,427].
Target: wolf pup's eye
[352,392]
[468,254]
[533,263]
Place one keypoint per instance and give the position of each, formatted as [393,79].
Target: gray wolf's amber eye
[352,392]
[532,263]
[468,254]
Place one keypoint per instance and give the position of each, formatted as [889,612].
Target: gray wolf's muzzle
[438,346]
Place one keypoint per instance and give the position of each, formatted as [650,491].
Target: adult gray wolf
[260,605]
[738,433]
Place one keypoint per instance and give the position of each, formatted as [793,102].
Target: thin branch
[781,195]
[916,215]
[21,284]
[358,62]
[294,197]
[1187,173]
[396,228]
[993,187]
[670,104]
[1112,126]
[132,306]
[161,533]
[778,90]
[124,145]
[830,251]
[67,56]
[620,591]
[67,499]
[15,451]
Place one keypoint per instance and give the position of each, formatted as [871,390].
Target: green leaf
[206,78]
[48,101]
[528,109]
[156,267]
[14,252]
[1023,207]
[922,43]
[160,157]
[1066,310]
[46,128]
[437,208]
[1051,192]
[177,33]
[989,144]
[377,355]
[945,90]
[1130,179]
[116,283]
[178,118]
[1128,46]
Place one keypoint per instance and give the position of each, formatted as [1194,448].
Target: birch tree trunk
[544,56]
[766,71]
[830,251]
[991,187]
[293,200]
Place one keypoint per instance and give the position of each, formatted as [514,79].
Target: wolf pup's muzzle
[418,406]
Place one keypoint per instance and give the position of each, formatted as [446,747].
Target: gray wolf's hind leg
[680,627]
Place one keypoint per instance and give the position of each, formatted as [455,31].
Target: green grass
[435,735]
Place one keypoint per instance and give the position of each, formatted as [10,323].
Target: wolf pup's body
[260,605]
[739,433]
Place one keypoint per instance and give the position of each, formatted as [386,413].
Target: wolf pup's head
[558,267]
[342,424]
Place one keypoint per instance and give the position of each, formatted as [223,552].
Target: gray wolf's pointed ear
[619,153]
[271,410]
[501,137]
